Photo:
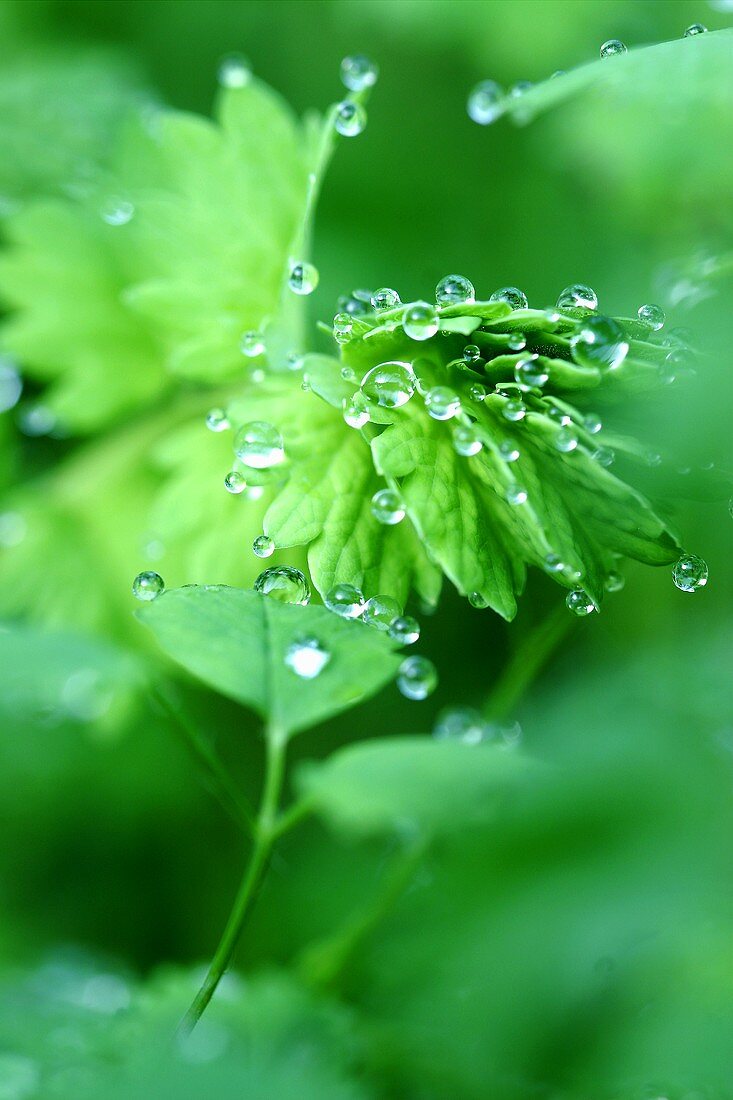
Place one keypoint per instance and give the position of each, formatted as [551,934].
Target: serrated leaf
[412,784]
[236,641]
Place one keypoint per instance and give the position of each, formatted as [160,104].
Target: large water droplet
[509,450]
[404,629]
[442,403]
[554,563]
[579,602]
[516,341]
[578,296]
[513,297]
[345,600]
[252,344]
[234,71]
[471,354]
[217,420]
[263,546]
[307,657]
[235,482]
[389,385]
[690,573]
[387,507]
[284,583]
[385,299]
[652,315]
[604,456]
[478,600]
[465,440]
[614,582]
[303,277]
[356,410]
[358,303]
[417,678]
[566,440]
[350,118]
[694,29]
[454,290]
[358,72]
[381,611]
[463,724]
[420,321]
[530,373]
[147,586]
[612,47]
[485,103]
[600,343]
[259,445]
[117,211]
[514,409]
[592,423]
[517,494]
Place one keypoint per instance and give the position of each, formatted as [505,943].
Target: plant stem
[527,661]
[265,835]
[230,798]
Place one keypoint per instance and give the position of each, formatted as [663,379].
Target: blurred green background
[492,975]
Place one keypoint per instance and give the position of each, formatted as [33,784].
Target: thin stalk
[265,837]
[227,793]
[527,661]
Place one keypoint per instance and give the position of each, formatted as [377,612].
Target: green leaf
[236,641]
[412,784]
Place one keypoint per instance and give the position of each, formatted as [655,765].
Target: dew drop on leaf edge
[284,583]
[690,573]
[147,586]
[345,600]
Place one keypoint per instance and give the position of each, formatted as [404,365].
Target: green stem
[229,796]
[527,661]
[265,836]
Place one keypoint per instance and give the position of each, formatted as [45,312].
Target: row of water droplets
[488,101]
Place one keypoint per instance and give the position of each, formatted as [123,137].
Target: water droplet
[652,315]
[614,582]
[350,118]
[477,391]
[381,611]
[11,385]
[669,368]
[579,602]
[508,450]
[387,507]
[486,102]
[252,344]
[530,373]
[420,321]
[566,440]
[442,403]
[356,411]
[234,482]
[558,415]
[345,600]
[600,343]
[454,290]
[117,211]
[385,298]
[514,409]
[690,573]
[13,529]
[612,47]
[465,440]
[348,374]
[358,72]
[147,586]
[216,420]
[343,326]
[263,546]
[693,29]
[463,724]
[554,563]
[604,456]
[516,494]
[478,600]
[417,678]
[259,445]
[404,629]
[471,353]
[303,277]
[389,385]
[284,583]
[513,297]
[358,303]
[578,296]
[516,341]
[307,657]
[234,71]
[592,423]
